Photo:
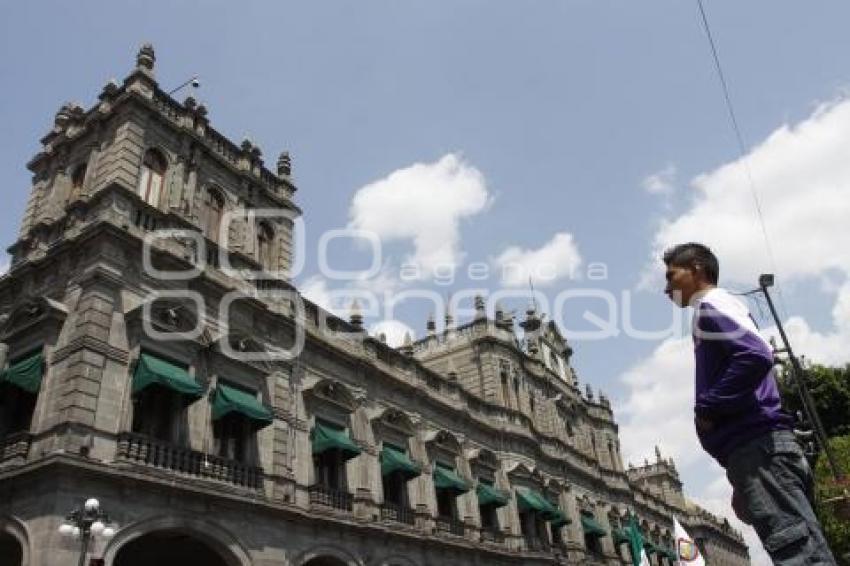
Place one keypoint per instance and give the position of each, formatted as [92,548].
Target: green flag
[639,557]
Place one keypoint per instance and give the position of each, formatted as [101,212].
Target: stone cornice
[93,344]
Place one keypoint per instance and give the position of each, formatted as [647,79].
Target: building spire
[146,58]
[355,316]
[480,308]
[284,165]
[407,345]
[450,320]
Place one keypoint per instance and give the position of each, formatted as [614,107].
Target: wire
[742,147]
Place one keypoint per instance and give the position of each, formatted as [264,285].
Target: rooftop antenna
[194,81]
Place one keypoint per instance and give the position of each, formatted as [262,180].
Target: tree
[833,501]
[830,389]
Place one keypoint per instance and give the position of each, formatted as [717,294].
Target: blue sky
[535,119]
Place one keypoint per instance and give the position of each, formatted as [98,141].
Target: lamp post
[194,81]
[765,281]
[86,522]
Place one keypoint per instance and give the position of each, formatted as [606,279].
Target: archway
[168,548]
[11,550]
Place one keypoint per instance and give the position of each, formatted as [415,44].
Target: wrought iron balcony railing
[492,535]
[449,525]
[536,544]
[142,449]
[397,513]
[15,445]
[330,497]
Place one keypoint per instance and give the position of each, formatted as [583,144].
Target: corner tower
[142,160]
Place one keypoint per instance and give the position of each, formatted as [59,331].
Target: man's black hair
[693,255]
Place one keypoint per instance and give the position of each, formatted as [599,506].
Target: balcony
[330,497]
[535,544]
[449,525]
[142,449]
[397,513]
[15,446]
[492,535]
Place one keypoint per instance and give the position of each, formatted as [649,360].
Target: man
[738,415]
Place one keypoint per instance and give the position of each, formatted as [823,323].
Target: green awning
[155,371]
[446,478]
[395,460]
[530,499]
[649,547]
[620,536]
[560,519]
[227,399]
[591,527]
[326,437]
[25,373]
[489,495]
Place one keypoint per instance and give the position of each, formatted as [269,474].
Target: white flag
[687,553]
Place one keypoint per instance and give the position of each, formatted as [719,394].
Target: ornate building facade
[146,320]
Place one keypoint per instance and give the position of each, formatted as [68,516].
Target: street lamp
[86,522]
[766,280]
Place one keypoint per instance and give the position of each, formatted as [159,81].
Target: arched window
[215,210]
[151,177]
[78,177]
[265,245]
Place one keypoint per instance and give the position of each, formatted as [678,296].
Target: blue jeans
[773,480]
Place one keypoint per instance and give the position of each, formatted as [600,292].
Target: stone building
[147,334]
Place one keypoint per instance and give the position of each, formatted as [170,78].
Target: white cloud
[394,330]
[716,497]
[423,203]
[658,410]
[556,259]
[315,289]
[661,182]
[802,175]
[828,348]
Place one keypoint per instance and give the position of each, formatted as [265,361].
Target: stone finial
[431,325]
[63,116]
[284,165]
[589,392]
[657,454]
[110,89]
[480,308]
[247,145]
[407,345]
[500,312]
[355,316]
[190,103]
[145,58]
[532,322]
[449,319]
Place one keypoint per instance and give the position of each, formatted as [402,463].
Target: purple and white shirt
[735,383]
